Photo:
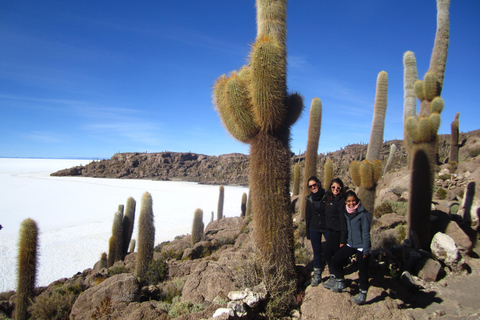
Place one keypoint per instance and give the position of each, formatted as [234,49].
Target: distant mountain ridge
[232,169]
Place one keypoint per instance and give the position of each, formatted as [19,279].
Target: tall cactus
[296,179]
[27,267]
[221,199]
[327,173]
[421,130]
[197,226]
[146,236]
[314,128]
[454,138]
[112,248]
[128,223]
[370,169]
[255,108]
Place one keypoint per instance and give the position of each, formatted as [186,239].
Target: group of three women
[338,216]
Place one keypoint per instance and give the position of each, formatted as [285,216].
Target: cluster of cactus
[197,226]
[27,267]
[314,128]
[221,198]
[420,130]
[255,108]
[454,142]
[122,230]
[367,173]
[146,236]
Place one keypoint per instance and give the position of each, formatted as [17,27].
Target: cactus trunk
[146,236]
[314,128]
[454,142]
[27,267]
[128,223]
[221,197]
[197,226]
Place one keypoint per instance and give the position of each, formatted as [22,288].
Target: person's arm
[308,218]
[366,219]
[343,226]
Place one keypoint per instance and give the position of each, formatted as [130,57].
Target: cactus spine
[255,108]
[197,226]
[314,128]
[221,198]
[454,143]
[296,179]
[369,171]
[146,236]
[243,205]
[27,267]
[128,223]
[327,172]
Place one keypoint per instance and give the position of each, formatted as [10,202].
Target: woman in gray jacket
[358,242]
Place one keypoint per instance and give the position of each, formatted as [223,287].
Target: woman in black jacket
[315,223]
[335,222]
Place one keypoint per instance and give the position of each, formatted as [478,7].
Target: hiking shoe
[330,283]
[360,298]
[317,277]
[339,286]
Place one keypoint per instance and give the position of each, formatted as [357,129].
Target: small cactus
[197,226]
[243,205]
[27,267]
[146,236]
[391,158]
[327,172]
[221,198]
[112,248]
[128,223]
[454,142]
[131,248]
[117,232]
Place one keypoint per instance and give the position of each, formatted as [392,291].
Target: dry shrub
[56,304]
[383,208]
[384,239]
[441,194]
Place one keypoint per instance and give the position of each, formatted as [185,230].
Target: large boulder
[444,249]
[106,299]
[208,280]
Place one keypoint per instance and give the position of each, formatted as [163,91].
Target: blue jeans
[316,239]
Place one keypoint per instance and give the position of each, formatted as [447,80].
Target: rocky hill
[232,169]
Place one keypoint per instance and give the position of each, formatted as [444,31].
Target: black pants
[339,259]
[332,247]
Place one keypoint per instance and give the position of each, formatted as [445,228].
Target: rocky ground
[209,279]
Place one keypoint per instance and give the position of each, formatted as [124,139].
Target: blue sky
[93,78]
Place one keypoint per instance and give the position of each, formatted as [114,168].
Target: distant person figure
[335,222]
[315,225]
[358,242]
[1,227]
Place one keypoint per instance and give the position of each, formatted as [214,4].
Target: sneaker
[330,283]
[339,286]
[360,298]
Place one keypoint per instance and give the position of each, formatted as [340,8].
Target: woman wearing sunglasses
[335,222]
[315,223]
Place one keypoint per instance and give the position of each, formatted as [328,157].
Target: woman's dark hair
[330,195]
[351,193]
[313,178]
